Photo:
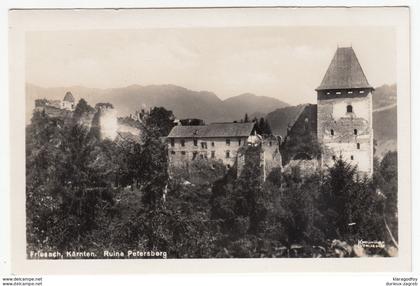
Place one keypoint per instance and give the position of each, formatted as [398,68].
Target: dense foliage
[87,194]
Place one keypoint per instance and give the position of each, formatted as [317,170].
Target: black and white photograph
[215,141]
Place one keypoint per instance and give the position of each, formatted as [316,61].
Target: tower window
[351,157]
[332,132]
[355,131]
[358,145]
[349,108]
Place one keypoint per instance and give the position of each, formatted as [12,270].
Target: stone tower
[345,113]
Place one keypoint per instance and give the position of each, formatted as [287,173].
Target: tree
[386,181]
[351,206]
[160,119]
[82,108]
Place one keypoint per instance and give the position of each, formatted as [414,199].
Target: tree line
[87,194]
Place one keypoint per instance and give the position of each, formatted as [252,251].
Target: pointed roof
[69,97]
[344,72]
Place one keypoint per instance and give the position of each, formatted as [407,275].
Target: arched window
[349,108]
[355,131]
[332,132]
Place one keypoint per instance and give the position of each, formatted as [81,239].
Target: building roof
[344,72]
[213,130]
[69,97]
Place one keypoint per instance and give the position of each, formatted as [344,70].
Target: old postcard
[210,140]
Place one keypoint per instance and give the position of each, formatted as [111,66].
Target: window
[194,155]
[333,157]
[173,152]
[332,132]
[228,142]
[213,154]
[239,141]
[349,108]
[202,156]
[270,143]
[228,166]
[195,142]
[182,142]
[350,92]
[183,153]
[328,92]
[227,154]
[355,131]
[362,91]
[204,145]
[338,92]
[358,145]
[351,157]
[212,144]
[172,142]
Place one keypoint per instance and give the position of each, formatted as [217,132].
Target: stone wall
[348,135]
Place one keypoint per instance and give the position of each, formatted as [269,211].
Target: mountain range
[183,102]
[208,106]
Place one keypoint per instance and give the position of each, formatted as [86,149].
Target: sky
[286,63]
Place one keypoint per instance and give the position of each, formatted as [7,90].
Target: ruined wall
[306,167]
[108,123]
[271,156]
[346,134]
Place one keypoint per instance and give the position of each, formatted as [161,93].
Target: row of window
[195,153]
[348,92]
[355,132]
[203,144]
[351,157]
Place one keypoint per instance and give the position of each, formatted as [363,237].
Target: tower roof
[344,72]
[69,97]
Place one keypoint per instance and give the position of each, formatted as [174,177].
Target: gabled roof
[69,97]
[213,130]
[344,72]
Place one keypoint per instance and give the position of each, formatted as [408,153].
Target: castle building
[344,113]
[218,141]
[68,101]
[224,142]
